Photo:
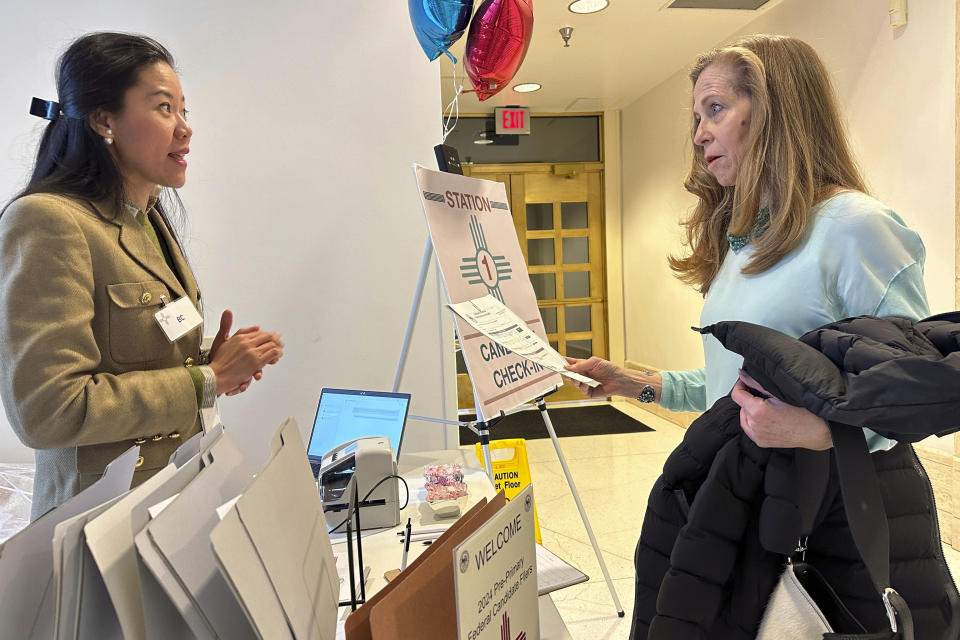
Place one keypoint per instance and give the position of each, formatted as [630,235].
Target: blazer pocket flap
[131,295]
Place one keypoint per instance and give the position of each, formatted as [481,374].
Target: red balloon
[497,43]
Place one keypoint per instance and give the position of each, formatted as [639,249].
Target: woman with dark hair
[87,259]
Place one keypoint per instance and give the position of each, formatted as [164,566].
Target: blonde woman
[784,233]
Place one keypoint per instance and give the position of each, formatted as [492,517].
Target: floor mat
[568,421]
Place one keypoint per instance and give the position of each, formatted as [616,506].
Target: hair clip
[46,109]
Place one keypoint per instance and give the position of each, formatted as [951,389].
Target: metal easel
[482,428]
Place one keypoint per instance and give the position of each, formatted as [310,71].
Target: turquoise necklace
[760,225]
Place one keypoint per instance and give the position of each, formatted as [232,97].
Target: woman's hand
[614,380]
[771,422]
[226,320]
[239,359]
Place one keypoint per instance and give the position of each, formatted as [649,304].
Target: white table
[382,549]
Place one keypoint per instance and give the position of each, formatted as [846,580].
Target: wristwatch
[647,394]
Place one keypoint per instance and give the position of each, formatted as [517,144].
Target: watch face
[647,394]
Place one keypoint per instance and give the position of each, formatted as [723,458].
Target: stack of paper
[97,583]
[175,547]
[274,550]
[119,563]
[27,588]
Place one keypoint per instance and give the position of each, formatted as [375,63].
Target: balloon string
[452,110]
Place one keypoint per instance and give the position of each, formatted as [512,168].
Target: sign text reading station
[503,588]
[468,201]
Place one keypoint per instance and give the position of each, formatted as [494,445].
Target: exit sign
[512,120]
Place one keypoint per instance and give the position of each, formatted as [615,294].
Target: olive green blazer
[85,371]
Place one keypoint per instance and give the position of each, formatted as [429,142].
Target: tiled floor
[613,475]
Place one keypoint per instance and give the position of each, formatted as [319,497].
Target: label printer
[366,461]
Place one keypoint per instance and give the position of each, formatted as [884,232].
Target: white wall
[303,212]
[613,223]
[658,309]
[897,89]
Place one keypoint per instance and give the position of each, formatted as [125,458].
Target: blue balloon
[439,23]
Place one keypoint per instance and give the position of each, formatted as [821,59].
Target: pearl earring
[109,140]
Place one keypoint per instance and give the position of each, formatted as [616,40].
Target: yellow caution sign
[511,473]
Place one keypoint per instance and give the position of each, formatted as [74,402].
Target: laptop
[347,414]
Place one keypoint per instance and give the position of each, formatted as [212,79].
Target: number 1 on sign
[487,268]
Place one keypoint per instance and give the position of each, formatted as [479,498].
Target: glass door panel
[570,289]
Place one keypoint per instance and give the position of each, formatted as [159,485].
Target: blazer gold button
[173,436]
[139,461]
[139,441]
[158,437]
[146,298]
[188,362]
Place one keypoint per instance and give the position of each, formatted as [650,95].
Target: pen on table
[421,537]
[419,531]
[406,547]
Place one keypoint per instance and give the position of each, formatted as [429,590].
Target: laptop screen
[346,414]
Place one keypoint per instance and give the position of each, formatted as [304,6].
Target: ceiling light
[484,137]
[587,6]
[527,87]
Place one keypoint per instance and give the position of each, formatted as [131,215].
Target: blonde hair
[796,154]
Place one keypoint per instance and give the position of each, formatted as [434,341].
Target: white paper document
[157,509]
[226,506]
[493,319]
[554,573]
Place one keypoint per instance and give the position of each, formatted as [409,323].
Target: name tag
[178,318]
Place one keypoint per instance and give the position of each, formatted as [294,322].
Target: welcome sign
[478,253]
[496,576]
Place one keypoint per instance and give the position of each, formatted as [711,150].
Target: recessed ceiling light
[526,87]
[588,6]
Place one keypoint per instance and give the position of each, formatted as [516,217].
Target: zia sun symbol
[484,267]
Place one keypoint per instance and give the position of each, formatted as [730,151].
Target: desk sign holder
[495,573]
[356,568]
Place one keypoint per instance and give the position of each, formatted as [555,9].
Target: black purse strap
[867,518]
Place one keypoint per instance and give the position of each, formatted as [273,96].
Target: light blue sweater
[858,259]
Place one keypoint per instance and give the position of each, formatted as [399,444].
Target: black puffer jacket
[724,512]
